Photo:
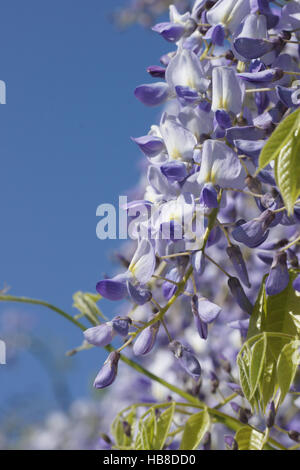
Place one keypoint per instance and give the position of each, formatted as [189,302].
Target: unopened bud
[225,364]
[127,428]
[105,437]
[239,295]
[271,416]
[146,340]
[230,442]
[253,184]
[207,441]
[294,435]
[108,373]
[214,382]
[186,359]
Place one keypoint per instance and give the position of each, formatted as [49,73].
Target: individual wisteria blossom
[220,165]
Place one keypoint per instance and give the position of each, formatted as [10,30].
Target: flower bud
[235,388]
[243,413]
[108,373]
[271,416]
[214,382]
[186,359]
[127,428]
[121,325]
[253,184]
[238,293]
[235,255]
[100,335]
[146,340]
[278,278]
[207,441]
[254,232]
[230,442]
[294,435]
[204,312]
[105,442]
[156,71]
[225,364]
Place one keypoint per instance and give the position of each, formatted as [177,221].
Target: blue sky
[65,149]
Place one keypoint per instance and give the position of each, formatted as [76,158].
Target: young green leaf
[283,133]
[194,430]
[258,357]
[276,313]
[163,427]
[146,432]
[287,172]
[278,317]
[117,430]
[287,366]
[85,302]
[243,362]
[249,439]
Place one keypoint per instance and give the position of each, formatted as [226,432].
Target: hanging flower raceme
[214,220]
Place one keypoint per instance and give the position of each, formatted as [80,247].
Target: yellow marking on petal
[212,176]
[132,268]
[176,154]
[191,83]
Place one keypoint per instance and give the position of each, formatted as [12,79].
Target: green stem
[26,300]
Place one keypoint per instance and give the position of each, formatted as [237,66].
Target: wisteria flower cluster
[213,281]
[227,87]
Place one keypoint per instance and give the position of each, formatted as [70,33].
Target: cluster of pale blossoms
[217,222]
[144,12]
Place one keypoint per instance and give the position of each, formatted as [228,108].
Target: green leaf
[287,366]
[194,430]
[277,313]
[163,427]
[268,381]
[258,357]
[274,325]
[283,133]
[86,304]
[249,439]
[243,362]
[287,172]
[146,432]
[117,430]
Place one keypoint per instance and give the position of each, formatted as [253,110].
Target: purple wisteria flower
[108,373]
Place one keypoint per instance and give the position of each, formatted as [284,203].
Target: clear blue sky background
[65,148]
